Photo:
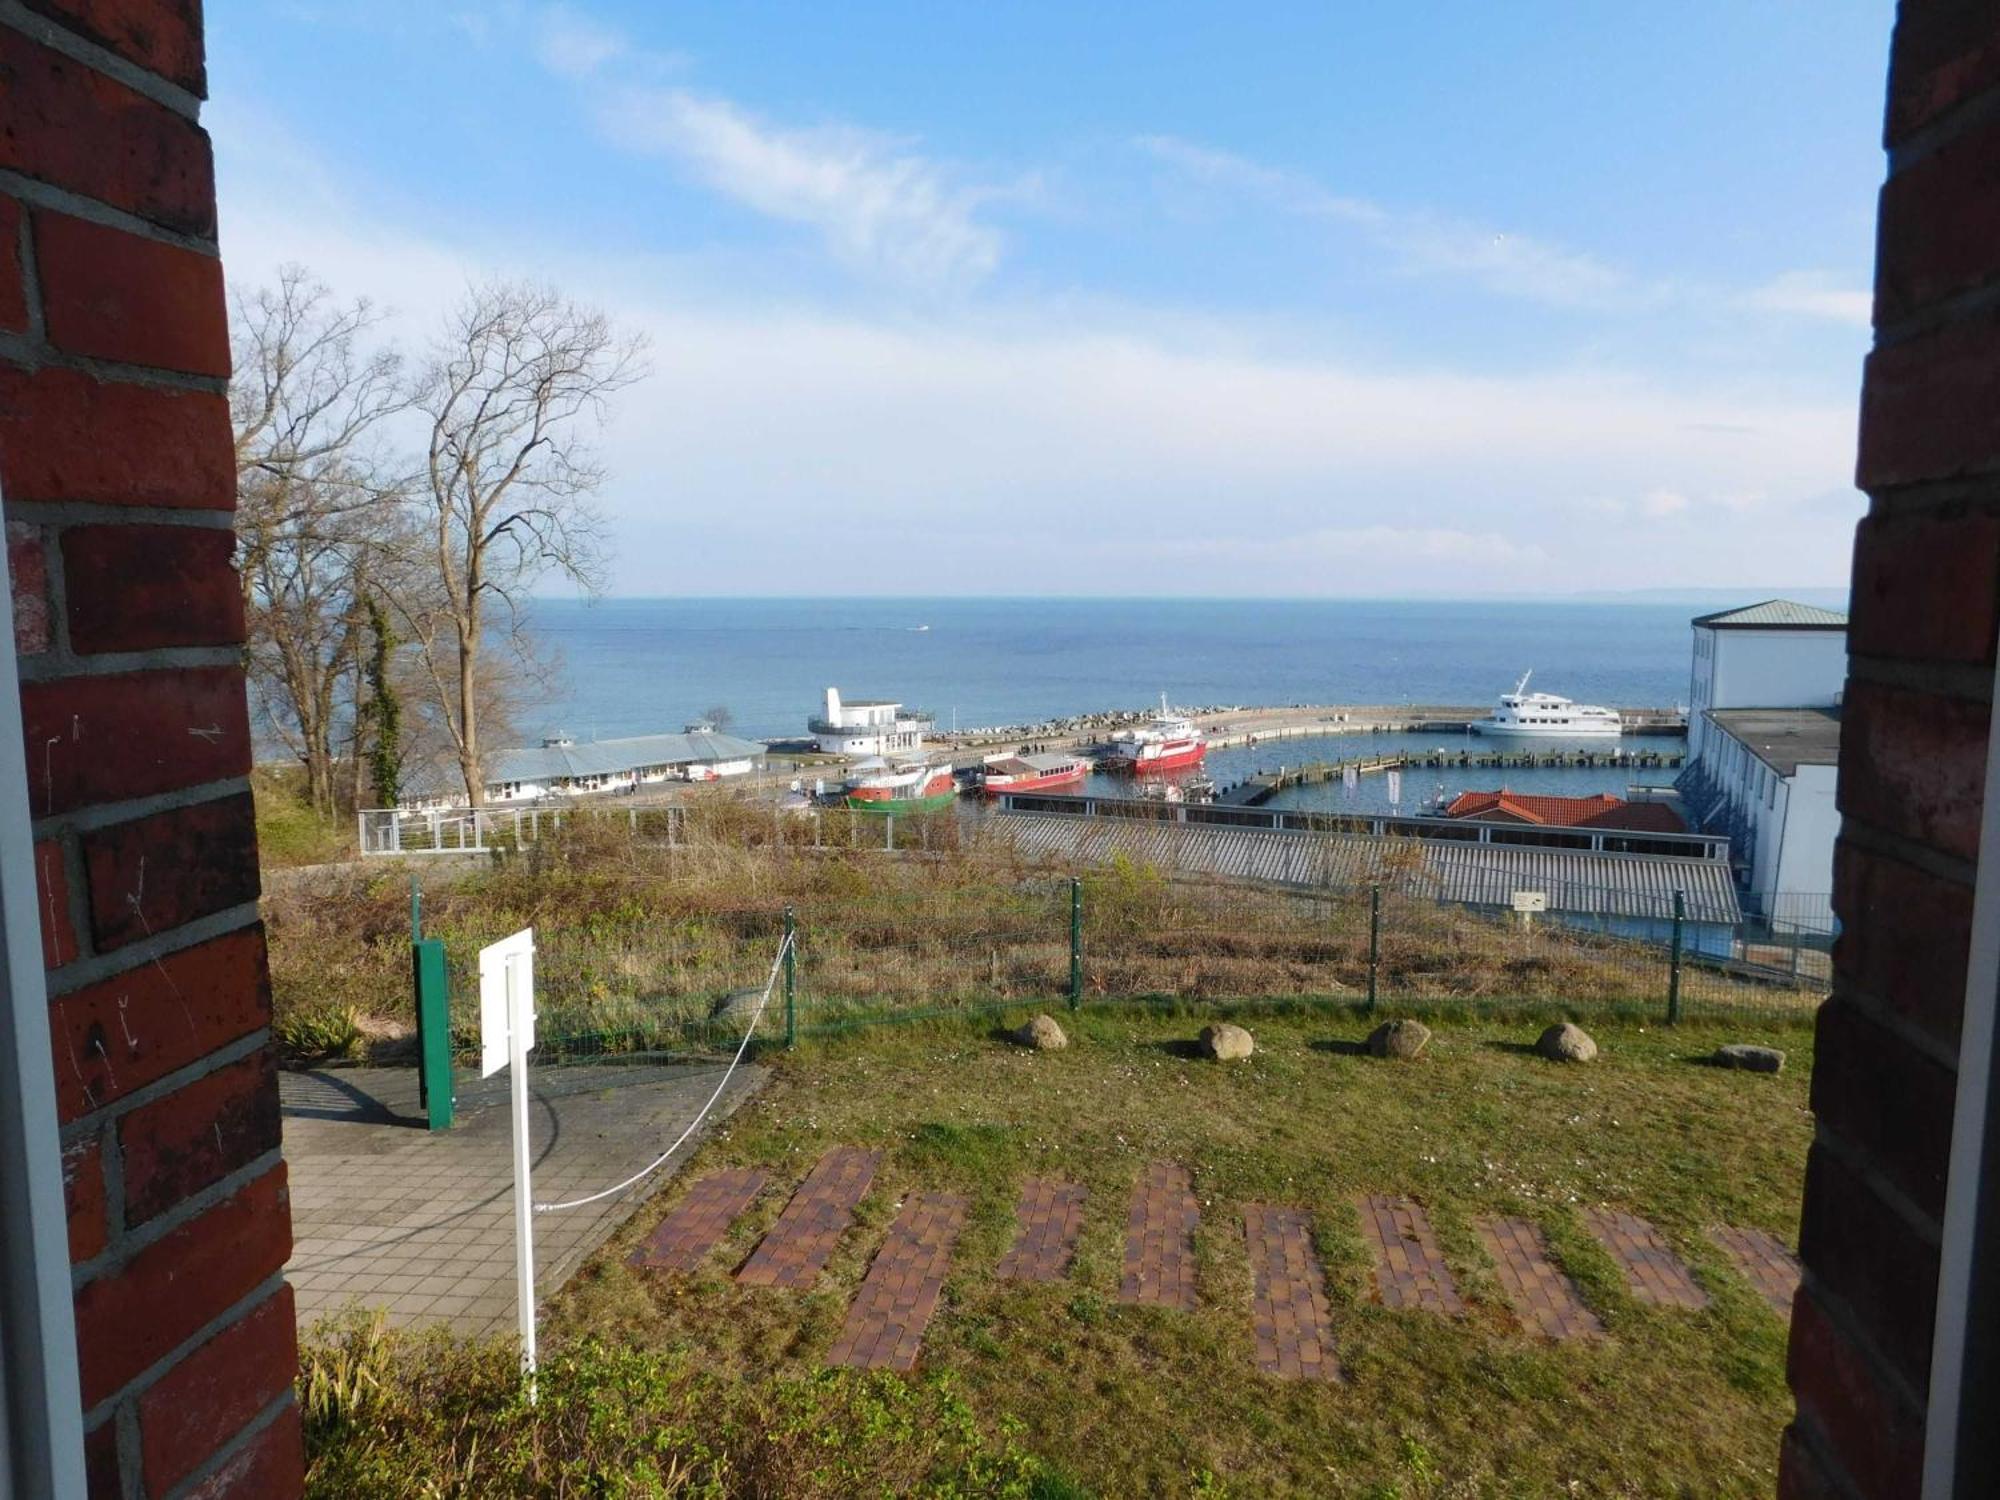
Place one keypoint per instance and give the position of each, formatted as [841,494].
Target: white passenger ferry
[1522,715]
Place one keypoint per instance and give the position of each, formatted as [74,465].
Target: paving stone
[1409,1268]
[1049,1217]
[799,1245]
[1545,1299]
[386,1212]
[1653,1272]
[1290,1317]
[699,1221]
[885,1324]
[1159,1239]
[1764,1262]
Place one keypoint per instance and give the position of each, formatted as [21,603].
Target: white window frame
[1963,1262]
[41,1402]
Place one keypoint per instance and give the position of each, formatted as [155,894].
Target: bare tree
[516,383]
[719,718]
[315,496]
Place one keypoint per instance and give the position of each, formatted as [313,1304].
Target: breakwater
[1230,727]
[1256,789]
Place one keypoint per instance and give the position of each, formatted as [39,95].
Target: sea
[642,666]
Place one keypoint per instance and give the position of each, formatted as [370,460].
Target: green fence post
[1077,943]
[433,1031]
[791,979]
[1374,941]
[1674,972]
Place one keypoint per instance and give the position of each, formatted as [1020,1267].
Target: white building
[1777,654]
[1765,777]
[868,726]
[559,767]
[1763,751]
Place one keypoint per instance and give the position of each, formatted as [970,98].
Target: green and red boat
[877,785]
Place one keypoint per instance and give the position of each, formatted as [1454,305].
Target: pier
[1227,728]
[1260,788]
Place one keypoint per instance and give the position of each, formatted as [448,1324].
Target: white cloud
[1508,263]
[1423,243]
[1035,449]
[573,45]
[879,204]
[1814,294]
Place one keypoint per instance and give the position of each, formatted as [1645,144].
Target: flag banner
[1395,788]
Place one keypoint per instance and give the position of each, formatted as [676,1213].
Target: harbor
[1259,788]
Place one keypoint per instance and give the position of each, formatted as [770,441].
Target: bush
[318,1033]
[393,1414]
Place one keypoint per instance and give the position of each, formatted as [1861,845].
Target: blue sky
[1291,299]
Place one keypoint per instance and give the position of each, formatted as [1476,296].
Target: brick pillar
[118,477]
[1913,749]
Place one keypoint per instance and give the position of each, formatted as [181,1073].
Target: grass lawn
[1143,1401]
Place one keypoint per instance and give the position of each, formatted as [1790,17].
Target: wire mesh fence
[1124,934]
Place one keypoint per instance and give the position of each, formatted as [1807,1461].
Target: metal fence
[1127,935]
[494,830]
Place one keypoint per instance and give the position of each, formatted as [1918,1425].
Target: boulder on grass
[1754,1059]
[738,1006]
[1042,1034]
[1225,1042]
[1399,1039]
[1566,1043]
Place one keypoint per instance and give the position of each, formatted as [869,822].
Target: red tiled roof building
[1600,811]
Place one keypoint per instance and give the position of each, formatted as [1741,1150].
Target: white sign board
[506,1037]
[506,991]
[1531,901]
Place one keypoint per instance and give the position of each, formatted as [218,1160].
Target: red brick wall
[118,477]
[1926,608]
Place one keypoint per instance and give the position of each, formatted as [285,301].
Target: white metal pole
[520,1000]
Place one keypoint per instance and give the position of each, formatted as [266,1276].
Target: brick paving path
[1159,1239]
[800,1243]
[885,1325]
[1291,1318]
[699,1221]
[1652,1270]
[1409,1268]
[1541,1295]
[1050,1217]
[387,1216]
[1764,1262]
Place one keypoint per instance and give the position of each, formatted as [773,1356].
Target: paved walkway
[386,1214]
[886,1322]
[1765,1263]
[1409,1268]
[1048,1221]
[1653,1273]
[1291,1312]
[1159,1239]
[1290,1317]
[799,1245]
[1544,1299]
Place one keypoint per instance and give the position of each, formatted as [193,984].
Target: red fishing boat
[1031,773]
[1171,742]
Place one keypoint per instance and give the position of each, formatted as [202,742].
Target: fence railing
[1121,935]
[485,830]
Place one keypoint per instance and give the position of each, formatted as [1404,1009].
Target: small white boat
[1526,715]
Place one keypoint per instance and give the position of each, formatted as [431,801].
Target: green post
[1075,943]
[1374,941]
[791,979]
[416,909]
[1674,971]
[433,1031]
